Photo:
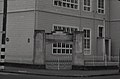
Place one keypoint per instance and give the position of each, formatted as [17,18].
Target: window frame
[100,8]
[61,49]
[78,4]
[87,6]
[90,42]
[67,26]
[103,32]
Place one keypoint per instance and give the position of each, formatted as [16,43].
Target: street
[24,76]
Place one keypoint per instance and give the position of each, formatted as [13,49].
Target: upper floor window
[87,5]
[65,28]
[72,4]
[101,6]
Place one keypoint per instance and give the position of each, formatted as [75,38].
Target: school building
[62,33]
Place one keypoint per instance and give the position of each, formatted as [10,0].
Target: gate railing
[101,61]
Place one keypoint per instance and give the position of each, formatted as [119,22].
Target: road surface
[24,76]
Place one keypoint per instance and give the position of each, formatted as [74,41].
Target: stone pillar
[39,47]
[78,54]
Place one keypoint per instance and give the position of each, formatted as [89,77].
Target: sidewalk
[60,73]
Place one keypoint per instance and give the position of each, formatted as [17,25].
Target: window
[65,28]
[100,31]
[72,4]
[101,6]
[60,47]
[87,5]
[87,41]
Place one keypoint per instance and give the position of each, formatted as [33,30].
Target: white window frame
[67,26]
[61,42]
[100,8]
[87,6]
[103,34]
[90,42]
[69,3]
[61,50]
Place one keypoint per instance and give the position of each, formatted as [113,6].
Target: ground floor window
[87,41]
[63,48]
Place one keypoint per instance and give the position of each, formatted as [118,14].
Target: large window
[101,6]
[87,5]
[61,47]
[72,4]
[87,41]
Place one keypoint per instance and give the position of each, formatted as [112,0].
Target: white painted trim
[90,40]
[101,8]
[87,6]
[3,46]
[2,53]
[61,49]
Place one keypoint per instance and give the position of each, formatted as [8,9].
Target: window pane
[85,43]
[68,30]
[68,5]
[55,28]
[64,0]
[63,50]
[76,6]
[88,43]
[55,2]
[59,44]
[67,51]
[64,29]
[85,33]
[68,0]
[70,51]
[54,50]
[70,45]
[63,45]
[72,1]
[60,3]
[59,50]
[64,4]
[76,1]
[67,45]
[55,45]
[88,33]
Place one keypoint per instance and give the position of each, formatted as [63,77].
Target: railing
[58,64]
[102,61]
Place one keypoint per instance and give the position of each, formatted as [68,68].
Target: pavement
[60,73]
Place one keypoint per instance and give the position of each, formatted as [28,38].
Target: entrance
[58,50]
